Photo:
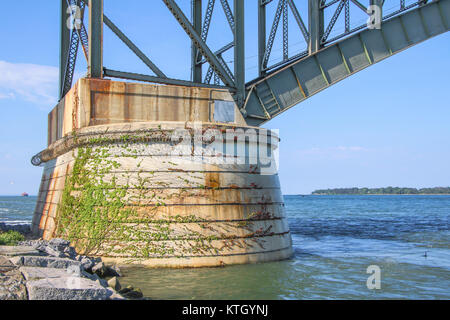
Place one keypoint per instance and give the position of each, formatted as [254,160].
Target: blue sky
[387,125]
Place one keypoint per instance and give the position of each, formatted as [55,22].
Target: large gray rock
[105,271]
[46,262]
[59,243]
[68,288]
[115,284]
[131,293]
[6,265]
[87,263]
[12,286]
[34,273]
[70,252]
[100,269]
[56,247]
[32,243]
[51,251]
[13,251]
[114,271]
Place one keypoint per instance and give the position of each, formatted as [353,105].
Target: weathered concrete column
[134,174]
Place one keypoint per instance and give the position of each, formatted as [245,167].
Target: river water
[335,238]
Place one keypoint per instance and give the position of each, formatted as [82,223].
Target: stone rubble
[24,228]
[12,286]
[52,270]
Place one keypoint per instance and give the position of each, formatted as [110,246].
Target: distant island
[388,190]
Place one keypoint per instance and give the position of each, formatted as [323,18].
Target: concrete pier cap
[161,176]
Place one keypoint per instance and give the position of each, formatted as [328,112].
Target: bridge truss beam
[336,47]
[293,83]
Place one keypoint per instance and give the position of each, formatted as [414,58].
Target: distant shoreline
[394,191]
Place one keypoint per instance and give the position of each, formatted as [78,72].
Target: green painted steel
[316,25]
[214,61]
[239,52]
[292,84]
[330,56]
[133,47]
[64,45]
[197,24]
[95,63]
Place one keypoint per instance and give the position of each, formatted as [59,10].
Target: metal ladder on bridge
[267,99]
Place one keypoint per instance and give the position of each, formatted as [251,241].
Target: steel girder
[70,45]
[212,59]
[95,62]
[336,48]
[288,86]
[65,35]
[133,47]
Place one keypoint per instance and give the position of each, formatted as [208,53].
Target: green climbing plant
[101,207]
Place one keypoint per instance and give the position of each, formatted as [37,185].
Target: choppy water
[17,210]
[335,239]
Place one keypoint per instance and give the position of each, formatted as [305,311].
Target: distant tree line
[388,190]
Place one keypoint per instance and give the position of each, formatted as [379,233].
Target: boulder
[34,273]
[87,264]
[134,294]
[131,293]
[46,262]
[100,270]
[102,282]
[12,286]
[56,247]
[51,251]
[6,265]
[114,271]
[125,290]
[11,251]
[70,252]
[115,284]
[68,288]
[59,243]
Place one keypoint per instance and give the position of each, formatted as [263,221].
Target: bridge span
[333,52]
[133,171]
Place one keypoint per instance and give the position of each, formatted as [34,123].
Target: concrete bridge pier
[135,173]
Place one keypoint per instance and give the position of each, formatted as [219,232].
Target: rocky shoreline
[53,270]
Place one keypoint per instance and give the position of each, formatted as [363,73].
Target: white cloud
[34,83]
[7,95]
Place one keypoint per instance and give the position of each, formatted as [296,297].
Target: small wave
[14,222]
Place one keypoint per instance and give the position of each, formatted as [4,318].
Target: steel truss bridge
[330,55]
